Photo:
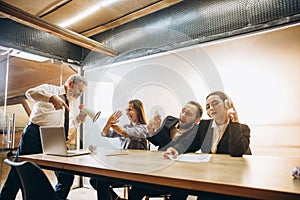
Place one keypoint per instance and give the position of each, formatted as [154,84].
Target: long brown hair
[139,106]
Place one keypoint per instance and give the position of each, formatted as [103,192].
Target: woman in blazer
[222,134]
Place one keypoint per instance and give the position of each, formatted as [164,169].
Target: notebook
[54,142]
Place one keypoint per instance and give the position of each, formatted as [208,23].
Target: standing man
[50,109]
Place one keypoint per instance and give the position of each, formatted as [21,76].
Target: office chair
[34,183]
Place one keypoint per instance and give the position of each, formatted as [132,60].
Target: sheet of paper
[194,157]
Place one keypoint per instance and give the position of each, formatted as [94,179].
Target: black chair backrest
[35,184]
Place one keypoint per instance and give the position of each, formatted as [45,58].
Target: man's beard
[70,94]
[188,125]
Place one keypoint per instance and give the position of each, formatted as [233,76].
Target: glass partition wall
[7,120]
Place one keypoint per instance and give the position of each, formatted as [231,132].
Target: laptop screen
[53,140]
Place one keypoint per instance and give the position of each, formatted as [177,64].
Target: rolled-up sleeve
[137,131]
[40,93]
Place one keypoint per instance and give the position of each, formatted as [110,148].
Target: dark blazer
[235,141]
[182,144]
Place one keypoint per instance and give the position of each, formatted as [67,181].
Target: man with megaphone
[89,112]
[81,117]
[51,108]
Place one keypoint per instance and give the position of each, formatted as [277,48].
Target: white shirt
[133,131]
[43,112]
[217,135]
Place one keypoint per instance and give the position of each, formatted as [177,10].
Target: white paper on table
[193,157]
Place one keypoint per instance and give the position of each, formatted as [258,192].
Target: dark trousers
[104,189]
[30,144]
[64,184]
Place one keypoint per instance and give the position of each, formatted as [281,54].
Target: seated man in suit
[223,134]
[178,133]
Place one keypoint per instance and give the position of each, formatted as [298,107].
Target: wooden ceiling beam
[135,15]
[52,6]
[22,17]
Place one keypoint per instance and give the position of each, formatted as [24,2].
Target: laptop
[54,142]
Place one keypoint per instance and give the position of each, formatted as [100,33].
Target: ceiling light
[22,54]
[82,15]
[87,12]
[108,2]
[29,56]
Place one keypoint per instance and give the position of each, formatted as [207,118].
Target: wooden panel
[58,11]
[25,18]
[68,11]
[130,17]
[24,74]
[31,6]
[102,16]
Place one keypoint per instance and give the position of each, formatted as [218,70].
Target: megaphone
[94,116]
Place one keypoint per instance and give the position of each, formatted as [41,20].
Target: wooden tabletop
[263,177]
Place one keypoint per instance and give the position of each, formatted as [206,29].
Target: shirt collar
[214,124]
[62,90]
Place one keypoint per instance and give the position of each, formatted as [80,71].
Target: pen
[116,154]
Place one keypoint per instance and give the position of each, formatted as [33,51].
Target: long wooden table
[258,177]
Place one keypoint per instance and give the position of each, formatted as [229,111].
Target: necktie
[66,124]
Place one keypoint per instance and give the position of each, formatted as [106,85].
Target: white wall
[260,72]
